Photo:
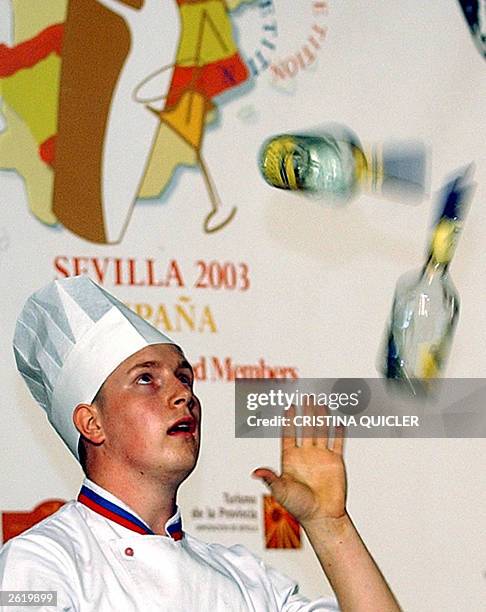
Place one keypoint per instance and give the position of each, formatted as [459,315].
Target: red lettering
[277,72]
[152,282]
[132,274]
[320,30]
[59,267]
[118,271]
[314,42]
[100,270]
[175,274]
[218,366]
[308,53]
[80,265]
[319,8]
[291,66]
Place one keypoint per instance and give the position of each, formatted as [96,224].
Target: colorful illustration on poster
[153,92]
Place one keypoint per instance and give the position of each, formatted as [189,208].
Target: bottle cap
[277,162]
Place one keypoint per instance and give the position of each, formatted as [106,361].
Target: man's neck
[154,502]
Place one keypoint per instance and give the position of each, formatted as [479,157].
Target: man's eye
[144,379]
[187,380]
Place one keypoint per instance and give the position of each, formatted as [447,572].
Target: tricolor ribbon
[111,511]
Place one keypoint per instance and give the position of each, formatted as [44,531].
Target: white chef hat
[69,338]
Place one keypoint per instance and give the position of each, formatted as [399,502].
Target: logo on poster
[87,159]
[282,530]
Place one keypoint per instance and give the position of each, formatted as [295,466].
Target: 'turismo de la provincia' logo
[90,143]
[282,530]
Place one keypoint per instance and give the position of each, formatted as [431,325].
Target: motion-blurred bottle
[426,304]
[475,14]
[334,165]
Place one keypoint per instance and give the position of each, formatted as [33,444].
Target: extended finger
[321,431]
[338,442]
[268,476]
[308,429]
[288,431]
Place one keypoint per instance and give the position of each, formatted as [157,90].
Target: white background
[322,283]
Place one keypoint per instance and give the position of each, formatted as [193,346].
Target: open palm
[312,483]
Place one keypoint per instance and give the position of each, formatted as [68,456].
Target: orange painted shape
[32,51]
[15,523]
[187,118]
[47,150]
[282,530]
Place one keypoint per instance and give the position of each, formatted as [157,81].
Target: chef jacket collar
[111,507]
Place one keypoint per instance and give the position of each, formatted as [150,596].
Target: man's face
[150,415]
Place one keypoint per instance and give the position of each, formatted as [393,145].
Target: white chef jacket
[96,564]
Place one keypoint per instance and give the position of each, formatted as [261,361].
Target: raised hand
[312,487]
[312,483]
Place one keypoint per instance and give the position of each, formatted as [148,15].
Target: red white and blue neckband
[123,517]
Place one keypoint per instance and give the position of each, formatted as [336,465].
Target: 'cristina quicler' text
[334,420]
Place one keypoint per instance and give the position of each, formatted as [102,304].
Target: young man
[121,396]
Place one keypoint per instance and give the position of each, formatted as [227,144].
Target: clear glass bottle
[475,14]
[426,304]
[334,165]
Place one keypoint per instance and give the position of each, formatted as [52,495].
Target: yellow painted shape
[188,117]
[443,241]
[33,94]
[33,16]
[207,34]
[19,152]
[169,151]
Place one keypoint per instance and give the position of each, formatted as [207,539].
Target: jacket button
[129,552]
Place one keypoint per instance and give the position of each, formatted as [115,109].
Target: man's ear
[86,418]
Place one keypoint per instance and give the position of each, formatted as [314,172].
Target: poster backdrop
[128,152]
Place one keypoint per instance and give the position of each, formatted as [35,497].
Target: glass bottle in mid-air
[426,304]
[334,165]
